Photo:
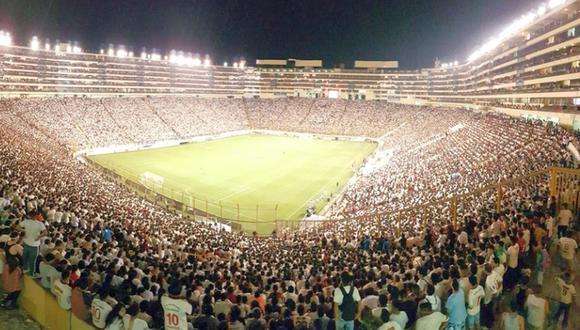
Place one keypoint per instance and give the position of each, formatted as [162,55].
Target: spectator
[33,232]
[567,294]
[511,320]
[176,311]
[346,299]
[474,298]
[80,300]
[430,319]
[564,218]
[455,306]
[11,277]
[131,321]
[62,290]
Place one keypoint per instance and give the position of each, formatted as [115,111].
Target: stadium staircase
[121,128]
[152,108]
[245,107]
[88,138]
[308,112]
[38,128]
[343,112]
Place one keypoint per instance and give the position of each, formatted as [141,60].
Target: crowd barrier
[42,307]
[563,183]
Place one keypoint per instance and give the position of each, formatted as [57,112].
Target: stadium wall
[204,138]
[42,306]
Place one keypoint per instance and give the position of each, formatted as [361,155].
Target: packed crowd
[443,155]
[120,262]
[101,122]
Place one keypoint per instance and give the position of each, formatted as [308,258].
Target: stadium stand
[459,227]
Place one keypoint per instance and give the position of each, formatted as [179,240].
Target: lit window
[572,32]
[551,40]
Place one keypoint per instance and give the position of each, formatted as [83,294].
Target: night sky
[413,32]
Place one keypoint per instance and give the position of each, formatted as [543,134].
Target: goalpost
[152,181]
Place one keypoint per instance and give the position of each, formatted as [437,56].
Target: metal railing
[562,183]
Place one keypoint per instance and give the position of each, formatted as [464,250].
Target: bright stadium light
[34,43]
[242,64]
[225,64]
[235,64]
[515,27]
[47,46]
[206,62]
[541,10]
[5,38]
[155,57]
[77,50]
[143,55]
[102,51]
[122,53]
[555,3]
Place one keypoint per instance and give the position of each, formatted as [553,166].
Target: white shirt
[564,217]
[175,311]
[99,312]
[568,248]
[431,322]
[400,318]
[390,325]
[536,310]
[474,300]
[371,301]
[63,293]
[32,229]
[338,294]
[567,291]
[435,302]
[513,252]
[492,283]
[116,325]
[138,324]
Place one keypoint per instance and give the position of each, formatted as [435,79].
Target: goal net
[151,181]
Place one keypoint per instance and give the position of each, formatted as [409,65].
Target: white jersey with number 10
[175,313]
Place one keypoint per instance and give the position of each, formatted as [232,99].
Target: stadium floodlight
[235,64]
[225,64]
[155,57]
[456,63]
[206,62]
[143,55]
[541,10]
[131,54]
[69,48]
[5,39]
[555,3]
[122,53]
[77,50]
[242,64]
[102,51]
[47,45]
[514,28]
[34,43]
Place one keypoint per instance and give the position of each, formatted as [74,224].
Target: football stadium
[163,188]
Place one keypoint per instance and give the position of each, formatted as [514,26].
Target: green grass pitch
[230,176]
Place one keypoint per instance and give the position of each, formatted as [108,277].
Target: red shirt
[78,306]
[11,281]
